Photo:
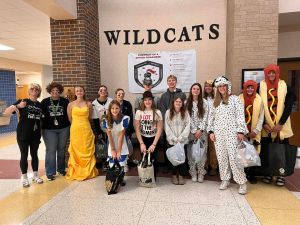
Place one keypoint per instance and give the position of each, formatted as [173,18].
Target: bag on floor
[176,154]
[277,159]
[146,172]
[247,155]
[101,151]
[114,178]
[197,150]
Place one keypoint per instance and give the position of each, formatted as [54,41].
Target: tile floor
[65,202]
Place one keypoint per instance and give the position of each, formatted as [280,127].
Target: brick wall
[252,36]
[75,48]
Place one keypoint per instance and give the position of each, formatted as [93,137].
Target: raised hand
[22,104]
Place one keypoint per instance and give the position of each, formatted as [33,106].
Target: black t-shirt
[29,126]
[55,116]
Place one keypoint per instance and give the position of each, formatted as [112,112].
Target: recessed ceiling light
[5,47]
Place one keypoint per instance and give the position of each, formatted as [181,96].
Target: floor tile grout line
[144,206]
[241,209]
[291,183]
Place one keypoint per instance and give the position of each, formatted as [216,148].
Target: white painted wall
[289,6]
[160,15]
[289,44]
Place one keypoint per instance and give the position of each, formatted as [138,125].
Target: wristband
[142,143]
[154,145]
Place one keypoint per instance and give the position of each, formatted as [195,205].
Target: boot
[181,180]
[174,180]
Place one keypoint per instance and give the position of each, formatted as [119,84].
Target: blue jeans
[55,141]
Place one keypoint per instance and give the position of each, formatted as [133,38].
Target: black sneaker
[50,177]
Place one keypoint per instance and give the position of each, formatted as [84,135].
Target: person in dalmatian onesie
[227,127]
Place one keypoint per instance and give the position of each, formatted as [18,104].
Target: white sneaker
[243,189]
[200,178]
[194,178]
[224,185]
[25,182]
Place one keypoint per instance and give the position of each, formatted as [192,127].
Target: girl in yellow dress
[81,164]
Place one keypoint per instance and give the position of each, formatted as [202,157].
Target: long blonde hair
[219,98]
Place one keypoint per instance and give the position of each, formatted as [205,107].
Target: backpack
[114,178]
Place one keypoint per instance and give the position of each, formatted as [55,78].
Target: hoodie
[167,97]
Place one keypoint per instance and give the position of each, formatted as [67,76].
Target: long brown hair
[109,116]
[153,108]
[172,109]
[219,98]
[199,104]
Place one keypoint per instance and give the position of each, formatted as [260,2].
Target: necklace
[55,110]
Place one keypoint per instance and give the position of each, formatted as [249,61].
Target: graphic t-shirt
[148,126]
[29,126]
[56,111]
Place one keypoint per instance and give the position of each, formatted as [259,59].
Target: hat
[147,79]
[147,94]
[222,80]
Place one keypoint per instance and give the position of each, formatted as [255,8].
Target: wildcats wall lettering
[154,36]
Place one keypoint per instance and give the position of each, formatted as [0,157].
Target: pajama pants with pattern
[198,167]
[226,149]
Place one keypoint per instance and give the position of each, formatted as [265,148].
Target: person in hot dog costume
[278,100]
[254,118]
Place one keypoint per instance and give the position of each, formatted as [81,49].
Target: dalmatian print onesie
[198,124]
[226,121]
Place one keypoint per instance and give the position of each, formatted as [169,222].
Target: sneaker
[224,185]
[243,189]
[280,181]
[200,178]
[62,173]
[194,178]
[50,177]
[181,180]
[25,182]
[37,180]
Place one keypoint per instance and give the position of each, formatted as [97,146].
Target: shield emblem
[148,70]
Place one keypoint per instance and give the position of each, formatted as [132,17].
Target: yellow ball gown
[81,164]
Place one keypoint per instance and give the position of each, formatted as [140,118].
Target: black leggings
[148,141]
[34,146]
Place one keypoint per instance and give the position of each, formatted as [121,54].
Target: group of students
[218,118]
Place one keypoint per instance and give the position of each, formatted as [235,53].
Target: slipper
[267,179]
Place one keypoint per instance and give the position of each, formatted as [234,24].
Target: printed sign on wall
[154,68]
